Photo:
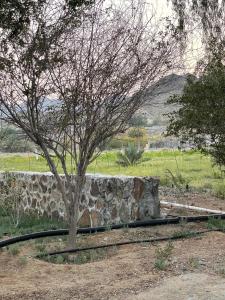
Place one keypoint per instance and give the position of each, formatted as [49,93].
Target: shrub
[164,253]
[162,256]
[11,199]
[135,132]
[161,264]
[219,190]
[11,140]
[59,259]
[129,157]
[216,223]
[177,179]
[194,262]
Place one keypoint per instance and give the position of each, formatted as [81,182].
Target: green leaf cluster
[200,118]
[130,156]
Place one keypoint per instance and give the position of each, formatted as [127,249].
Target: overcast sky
[163,8]
[194,51]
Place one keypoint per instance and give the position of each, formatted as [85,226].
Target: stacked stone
[105,199]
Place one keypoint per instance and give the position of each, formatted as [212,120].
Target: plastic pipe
[157,239]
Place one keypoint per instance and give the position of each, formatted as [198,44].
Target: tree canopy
[207,14]
[200,116]
[207,21]
[16,16]
[72,79]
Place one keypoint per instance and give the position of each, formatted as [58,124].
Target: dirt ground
[195,269]
[128,274]
[191,286]
[204,200]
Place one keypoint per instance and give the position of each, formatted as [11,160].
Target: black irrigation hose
[56,232]
[156,239]
[31,236]
[153,222]
[201,218]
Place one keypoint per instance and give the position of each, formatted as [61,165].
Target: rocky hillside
[157,95]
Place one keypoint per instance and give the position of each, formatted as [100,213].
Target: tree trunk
[72,220]
[75,194]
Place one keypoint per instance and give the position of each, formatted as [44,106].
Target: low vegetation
[162,256]
[28,224]
[82,257]
[189,167]
[214,223]
[130,156]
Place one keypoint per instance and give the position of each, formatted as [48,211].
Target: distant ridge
[155,100]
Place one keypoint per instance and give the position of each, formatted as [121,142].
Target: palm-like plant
[130,156]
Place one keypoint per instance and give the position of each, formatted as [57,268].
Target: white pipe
[171,204]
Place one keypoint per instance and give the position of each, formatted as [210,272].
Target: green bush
[216,223]
[11,140]
[161,264]
[129,157]
[219,190]
[133,136]
[11,199]
[82,257]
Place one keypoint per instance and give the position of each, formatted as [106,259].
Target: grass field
[183,168]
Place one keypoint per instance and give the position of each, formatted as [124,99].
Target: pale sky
[162,9]
[195,48]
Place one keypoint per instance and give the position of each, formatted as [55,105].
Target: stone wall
[105,200]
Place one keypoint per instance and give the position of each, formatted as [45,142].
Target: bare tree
[98,72]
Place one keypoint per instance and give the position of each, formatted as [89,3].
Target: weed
[164,252]
[40,247]
[183,222]
[218,174]
[207,185]
[11,199]
[184,234]
[194,262]
[161,264]
[90,256]
[23,261]
[81,257]
[108,227]
[178,180]
[14,250]
[219,190]
[28,224]
[221,272]
[59,259]
[214,223]
[162,256]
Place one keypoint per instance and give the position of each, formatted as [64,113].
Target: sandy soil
[196,199]
[128,274]
[197,286]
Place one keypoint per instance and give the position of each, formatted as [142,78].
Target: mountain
[155,105]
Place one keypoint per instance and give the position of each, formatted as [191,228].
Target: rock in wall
[105,199]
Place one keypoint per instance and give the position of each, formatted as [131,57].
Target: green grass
[14,250]
[162,255]
[214,223]
[82,257]
[28,224]
[190,166]
[193,167]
